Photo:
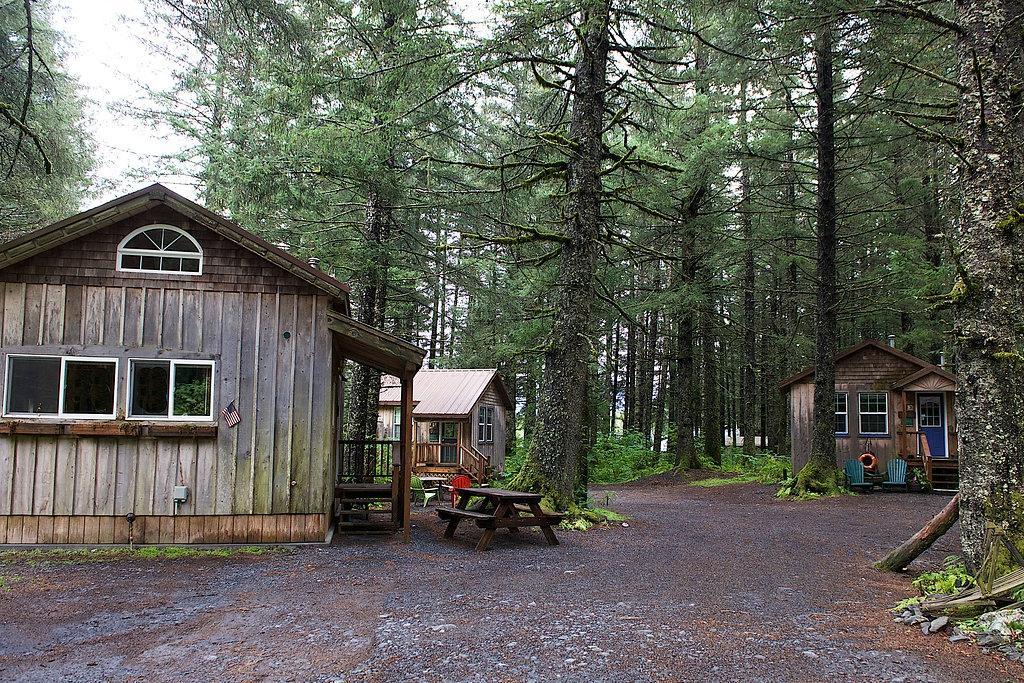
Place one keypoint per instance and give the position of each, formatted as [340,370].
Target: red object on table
[459,482]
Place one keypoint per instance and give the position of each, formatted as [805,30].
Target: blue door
[931,419]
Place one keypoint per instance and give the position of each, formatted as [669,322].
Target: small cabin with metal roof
[460,418]
[169,377]
[889,403]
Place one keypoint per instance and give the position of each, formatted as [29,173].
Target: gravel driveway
[724,584]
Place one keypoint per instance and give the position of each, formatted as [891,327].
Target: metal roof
[444,393]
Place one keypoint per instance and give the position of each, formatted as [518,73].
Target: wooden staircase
[945,475]
[364,508]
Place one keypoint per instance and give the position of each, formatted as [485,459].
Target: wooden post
[407,455]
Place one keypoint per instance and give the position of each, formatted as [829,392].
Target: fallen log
[898,559]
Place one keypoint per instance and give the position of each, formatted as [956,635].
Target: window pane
[33,385]
[131,262]
[190,265]
[151,381]
[873,424]
[171,263]
[192,389]
[151,262]
[873,403]
[841,424]
[841,403]
[89,388]
[142,241]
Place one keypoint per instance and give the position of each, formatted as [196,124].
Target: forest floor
[722,584]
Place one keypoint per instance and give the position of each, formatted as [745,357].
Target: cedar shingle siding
[91,260]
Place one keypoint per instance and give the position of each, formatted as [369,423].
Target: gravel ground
[724,584]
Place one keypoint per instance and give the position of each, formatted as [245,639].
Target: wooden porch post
[407,456]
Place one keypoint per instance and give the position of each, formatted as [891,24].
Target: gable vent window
[160,249]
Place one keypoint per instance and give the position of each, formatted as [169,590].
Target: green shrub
[952,578]
[615,459]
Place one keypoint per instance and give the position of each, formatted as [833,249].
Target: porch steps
[945,475]
[363,508]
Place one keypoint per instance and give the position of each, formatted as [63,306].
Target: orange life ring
[869,460]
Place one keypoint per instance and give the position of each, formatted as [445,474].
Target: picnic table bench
[500,509]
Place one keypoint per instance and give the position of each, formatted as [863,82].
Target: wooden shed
[172,378]
[460,419]
[889,403]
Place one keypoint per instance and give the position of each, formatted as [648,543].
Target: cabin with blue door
[889,403]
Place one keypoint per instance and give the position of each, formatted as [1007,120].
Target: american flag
[230,415]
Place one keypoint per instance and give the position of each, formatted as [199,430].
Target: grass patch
[42,556]
[714,482]
[763,468]
[7,583]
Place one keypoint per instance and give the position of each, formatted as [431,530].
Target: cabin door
[931,420]
[447,435]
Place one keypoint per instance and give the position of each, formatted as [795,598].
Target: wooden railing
[925,453]
[367,460]
[466,457]
[430,453]
[474,461]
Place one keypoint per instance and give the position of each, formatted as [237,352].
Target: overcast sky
[112,62]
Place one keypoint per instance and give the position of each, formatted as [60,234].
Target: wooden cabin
[460,418]
[889,403]
[169,377]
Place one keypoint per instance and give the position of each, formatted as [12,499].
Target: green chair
[419,490]
[854,470]
[896,474]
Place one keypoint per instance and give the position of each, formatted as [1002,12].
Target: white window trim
[121,250]
[860,413]
[61,388]
[845,413]
[485,425]
[171,417]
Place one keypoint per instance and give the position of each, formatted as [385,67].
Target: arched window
[160,249]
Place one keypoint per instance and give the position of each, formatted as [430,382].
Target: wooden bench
[501,509]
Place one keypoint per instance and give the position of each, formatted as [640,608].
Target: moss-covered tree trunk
[561,433]
[989,256]
[819,474]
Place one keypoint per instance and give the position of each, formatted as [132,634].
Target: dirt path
[704,585]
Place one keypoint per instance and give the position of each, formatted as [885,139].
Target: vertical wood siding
[272,350]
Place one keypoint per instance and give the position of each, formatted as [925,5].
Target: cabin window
[160,249]
[842,413]
[56,386]
[485,425]
[874,413]
[171,389]
[396,423]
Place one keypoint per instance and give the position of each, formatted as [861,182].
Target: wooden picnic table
[500,509]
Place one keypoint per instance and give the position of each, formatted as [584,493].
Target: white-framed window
[160,249]
[170,389]
[81,387]
[842,413]
[874,412]
[396,423]
[485,425]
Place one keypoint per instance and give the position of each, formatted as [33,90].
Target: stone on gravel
[1002,621]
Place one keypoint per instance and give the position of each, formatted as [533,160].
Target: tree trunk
[561,428]
[988,297]
[900,559]
[748,387]
[371,301]
[710,391]
[819,474]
